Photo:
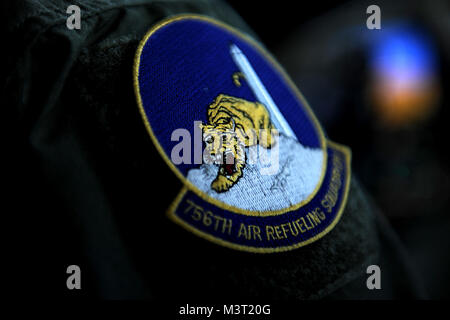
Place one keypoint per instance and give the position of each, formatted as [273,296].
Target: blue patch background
[184,66]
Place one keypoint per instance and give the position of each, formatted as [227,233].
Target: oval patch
[258,173]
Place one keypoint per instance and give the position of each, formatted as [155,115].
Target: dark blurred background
[385,93]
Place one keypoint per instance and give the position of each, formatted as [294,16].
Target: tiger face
[226,150]
[223,146]
[233,124]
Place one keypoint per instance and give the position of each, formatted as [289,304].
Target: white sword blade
[260,91]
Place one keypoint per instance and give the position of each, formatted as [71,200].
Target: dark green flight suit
[87,186]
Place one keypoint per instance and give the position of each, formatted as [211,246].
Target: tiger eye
[209,140]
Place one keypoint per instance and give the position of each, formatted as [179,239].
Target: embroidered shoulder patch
[258,172]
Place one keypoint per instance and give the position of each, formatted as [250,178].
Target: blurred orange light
[399,105]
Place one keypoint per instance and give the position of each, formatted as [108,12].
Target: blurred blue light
[403,55]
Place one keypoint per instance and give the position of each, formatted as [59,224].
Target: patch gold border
[172,216]
[282,73]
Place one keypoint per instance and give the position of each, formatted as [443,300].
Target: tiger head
[223,146]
